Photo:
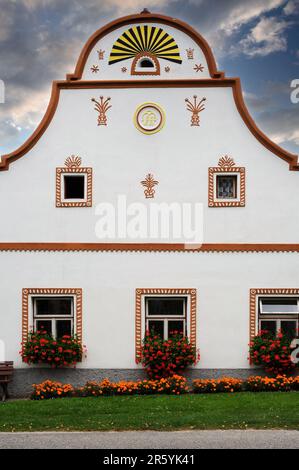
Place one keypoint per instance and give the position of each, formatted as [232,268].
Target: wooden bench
[6,373]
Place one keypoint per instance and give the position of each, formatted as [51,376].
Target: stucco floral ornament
[226,162]
[102,107]
[195,108]
[73,162]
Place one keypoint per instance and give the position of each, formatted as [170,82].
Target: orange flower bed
[224,384]
[50,389]
[280,383]
[175,385]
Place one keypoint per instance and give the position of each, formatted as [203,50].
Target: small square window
[226,186]
[74,186]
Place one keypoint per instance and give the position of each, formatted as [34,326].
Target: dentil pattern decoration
[195,108]
[102,107]
[149,184]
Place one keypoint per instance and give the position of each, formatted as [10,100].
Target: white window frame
[185,318]
[71,175]
[34,318]
[278,317]
[238,189]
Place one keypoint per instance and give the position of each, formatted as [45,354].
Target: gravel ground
[226,439]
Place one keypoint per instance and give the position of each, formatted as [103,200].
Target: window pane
[226,187]
[156,327]
[53,306]
[74,187]
[166,306]
[146,63]
[269,326]
[175,325]
[44,325]
[279,305]
[63,327]
[289,328]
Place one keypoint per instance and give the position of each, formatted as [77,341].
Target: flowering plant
[42,348]
[273,352]
[164,358]
[50,389]
[224,384]
[175,385]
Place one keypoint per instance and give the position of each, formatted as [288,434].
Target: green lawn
[224,411]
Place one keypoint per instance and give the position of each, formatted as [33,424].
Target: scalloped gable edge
[234,83]
[145,18]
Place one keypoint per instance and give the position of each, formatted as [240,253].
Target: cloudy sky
[257,40]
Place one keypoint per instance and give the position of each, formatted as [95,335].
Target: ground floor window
[164,315]
[164,311]
[279,314]
[54,315]
[58,311]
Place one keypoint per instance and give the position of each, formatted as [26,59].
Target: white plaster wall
[114,72]
[109,281]
[178,156]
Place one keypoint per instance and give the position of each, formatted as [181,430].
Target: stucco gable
[177,35]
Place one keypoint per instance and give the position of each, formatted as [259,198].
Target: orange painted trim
[155,247]
[5,160]
[140,293]
[136,60]
[290,158]
[253,295]
[146,18]
[77,293]
[234,83]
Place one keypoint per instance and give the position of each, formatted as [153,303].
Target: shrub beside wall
[42,348]
[272,352]
[164,358]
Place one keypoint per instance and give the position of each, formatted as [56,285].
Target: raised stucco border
[253,305]
[167,291]
[152,247]
[226,170]
[27,292]
[83,171]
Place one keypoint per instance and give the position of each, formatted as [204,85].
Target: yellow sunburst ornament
[146,44]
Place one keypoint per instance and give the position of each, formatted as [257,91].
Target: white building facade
[147,120]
